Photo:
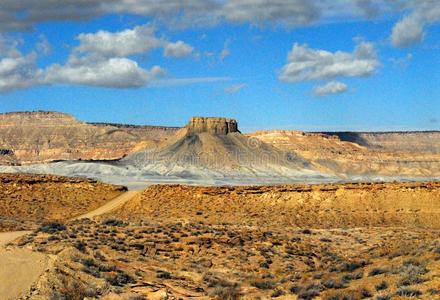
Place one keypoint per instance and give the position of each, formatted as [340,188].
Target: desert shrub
[214,281]
[163,274]
[364,293]
[92,271]
[413,271]
[113,222]
[72,290]
[278,293]
[408,292]
[331,284]
[80,246]
[264,284]
[341,296]
[433,291]
[347,278]
[352,266]
[307,292]
[318,276]
[435,247]
[226,293]
[119,278]
[377,271]
[52,227]
[381,286]
[383,297]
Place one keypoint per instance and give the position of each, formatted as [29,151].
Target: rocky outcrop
[34,137]
[212,125]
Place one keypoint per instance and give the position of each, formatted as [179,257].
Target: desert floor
[325,241]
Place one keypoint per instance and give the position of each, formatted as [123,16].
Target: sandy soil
[20,268]
[6,237]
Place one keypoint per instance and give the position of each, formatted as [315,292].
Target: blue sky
[300,66]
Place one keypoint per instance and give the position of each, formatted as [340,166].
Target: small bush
[365,293]
[226,293]
[408,292]
[278,293]
[381,286]
[52,227]
[214,281]
[352,266]
[377,271]
[264,285]
[163,274]
[113,222]
[309,292]
[413,271]
[331,284]
[341,296]
[434,291]
[383,297]
[119,278]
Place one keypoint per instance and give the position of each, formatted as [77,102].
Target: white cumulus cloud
[17,70]
[305,63]
[411,29]
[140,39]
[178,49]
[333,87]
[112,73]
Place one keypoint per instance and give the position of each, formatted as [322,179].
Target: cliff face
[387,154]
[212,125]
[33,137]
[421,141]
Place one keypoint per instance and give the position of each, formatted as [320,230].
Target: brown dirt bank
[317,206]
[26,199]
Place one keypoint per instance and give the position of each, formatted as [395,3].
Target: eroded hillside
[385,157]
[26,200]
[34,137]
[317,206]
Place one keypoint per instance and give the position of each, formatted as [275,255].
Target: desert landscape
[219,149]
[324,226]
[322,241]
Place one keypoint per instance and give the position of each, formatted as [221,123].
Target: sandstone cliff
[33,137]
[411,141]
[329,153]
[212,125]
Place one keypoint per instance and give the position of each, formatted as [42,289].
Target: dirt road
[20,268]
[6,237]
[109,206]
